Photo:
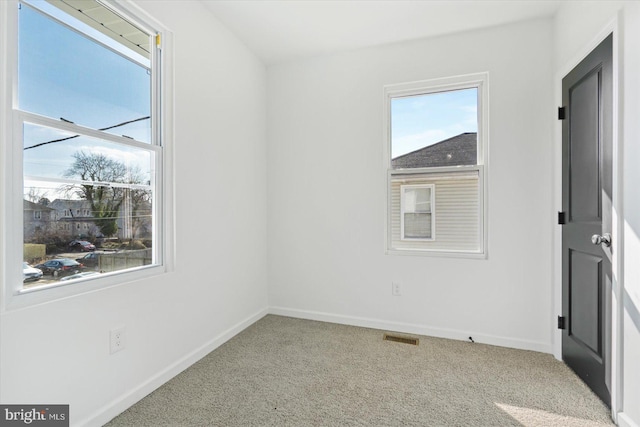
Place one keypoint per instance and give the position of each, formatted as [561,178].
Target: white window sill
[29,297]
[437,253]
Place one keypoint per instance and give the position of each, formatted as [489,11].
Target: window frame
[480,81]
[13,294]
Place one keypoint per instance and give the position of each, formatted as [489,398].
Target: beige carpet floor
[290,372]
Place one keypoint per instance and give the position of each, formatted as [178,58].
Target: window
[37,214]
[416,219]
[87,138]
[435,159]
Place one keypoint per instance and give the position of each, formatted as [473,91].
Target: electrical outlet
[117,339]
[395,289]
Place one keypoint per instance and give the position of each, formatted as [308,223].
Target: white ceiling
[283,30]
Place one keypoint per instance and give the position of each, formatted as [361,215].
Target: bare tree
[105,199]
[37,196]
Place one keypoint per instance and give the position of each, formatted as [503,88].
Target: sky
[64,74]
[422,120]
[71,76]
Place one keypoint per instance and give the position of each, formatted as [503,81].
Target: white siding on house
[456,212]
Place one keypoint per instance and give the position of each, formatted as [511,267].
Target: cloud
[131,157]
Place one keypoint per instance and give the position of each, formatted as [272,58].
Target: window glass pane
[112,232]
[416,217]
[417,225]
[417,200]
[450,223]
[55,154]
[422,199]
[435,129]
[65,74]
[84,195]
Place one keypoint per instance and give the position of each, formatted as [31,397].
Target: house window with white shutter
[435,165]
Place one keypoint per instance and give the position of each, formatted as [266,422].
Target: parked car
[89,260]
[29,273]
[60,267]
[80,275]
[82,246]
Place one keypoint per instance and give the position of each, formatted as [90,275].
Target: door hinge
[561,113]
[562,218]
[562,322]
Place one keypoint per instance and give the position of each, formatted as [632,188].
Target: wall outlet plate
[395,289]
[117,339]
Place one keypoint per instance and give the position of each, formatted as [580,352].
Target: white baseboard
[410,328]
[624,420]
[124,402]
[121,404]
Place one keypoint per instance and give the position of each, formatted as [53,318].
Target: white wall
[631,149]
[59,352]
[578,25]
[325,216]
[326,191]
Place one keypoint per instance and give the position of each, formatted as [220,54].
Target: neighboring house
[38,220]
[70,219]
[436,211]
[73,218]
[455,151]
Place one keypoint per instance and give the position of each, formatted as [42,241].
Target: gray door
[586,200]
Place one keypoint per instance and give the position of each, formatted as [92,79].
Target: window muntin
[72,164]
[435,135]
[416,212]
[52,153]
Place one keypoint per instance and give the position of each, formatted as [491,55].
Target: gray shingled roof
[70,204]
[30,206]
[455,151]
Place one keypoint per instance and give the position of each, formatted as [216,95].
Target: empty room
[320,213]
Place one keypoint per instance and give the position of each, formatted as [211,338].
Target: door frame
[613,27]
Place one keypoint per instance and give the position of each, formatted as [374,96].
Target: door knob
[605,239]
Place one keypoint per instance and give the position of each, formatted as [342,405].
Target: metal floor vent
[401,339]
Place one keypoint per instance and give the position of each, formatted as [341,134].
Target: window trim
[12,294]
[423,87]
